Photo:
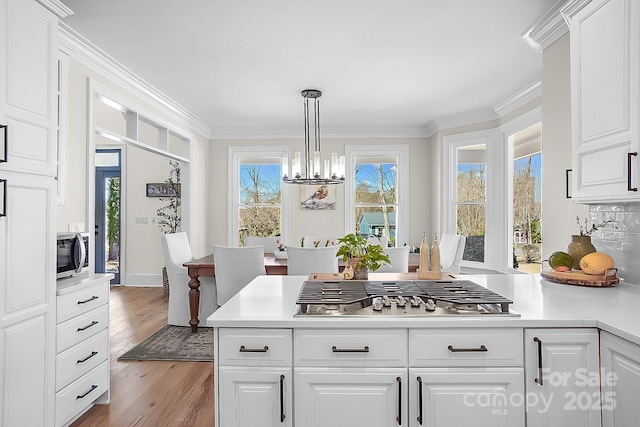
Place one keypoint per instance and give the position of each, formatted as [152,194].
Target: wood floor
[149,393]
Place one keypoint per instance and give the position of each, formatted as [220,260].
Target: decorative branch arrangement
[169,215]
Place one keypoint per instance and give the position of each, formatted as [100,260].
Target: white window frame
[495,202]
[401,152]
[236,156]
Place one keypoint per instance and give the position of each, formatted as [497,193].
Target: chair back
[269,243]
[304,261]
[399,258]
[177,251]
[451,251]
[235,268]
[375,240]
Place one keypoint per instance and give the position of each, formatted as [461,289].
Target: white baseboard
[143,280]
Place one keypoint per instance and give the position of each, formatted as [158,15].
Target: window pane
[471,173]
[375,183]
[372,221]
[260,183]
[471,223]
[259,221]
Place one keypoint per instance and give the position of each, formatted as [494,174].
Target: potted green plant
[361,255]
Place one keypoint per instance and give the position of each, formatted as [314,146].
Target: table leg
[194,299]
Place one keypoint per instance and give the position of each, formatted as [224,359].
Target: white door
[621,381]
[562,377]
[460,397]
[374,397]
[251,397]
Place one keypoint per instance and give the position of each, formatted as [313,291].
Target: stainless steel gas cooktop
[417,298]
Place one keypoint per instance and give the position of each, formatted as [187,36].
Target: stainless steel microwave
[72,254]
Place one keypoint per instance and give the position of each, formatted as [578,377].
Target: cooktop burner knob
[386,301]
[377,304]
[415,301]
[430,305]
[401,302]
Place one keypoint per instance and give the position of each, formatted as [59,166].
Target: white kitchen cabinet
[605,94]
[562,377]
[479,397]
[255,396]
[620,360]
[82,345]
[347,397]
[253,379]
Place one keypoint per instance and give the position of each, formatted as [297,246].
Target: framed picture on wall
[160,190]
[317,197]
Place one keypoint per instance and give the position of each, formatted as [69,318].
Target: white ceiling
[385,66]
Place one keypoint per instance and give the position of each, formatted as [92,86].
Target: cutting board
[577,277]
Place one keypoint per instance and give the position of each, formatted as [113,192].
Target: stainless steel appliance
[72,254]
[400,298]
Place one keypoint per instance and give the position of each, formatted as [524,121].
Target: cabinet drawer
[81,358]
[81,393]
[465,347]
[255,347]
[81,327]
[351,347]
[81,301]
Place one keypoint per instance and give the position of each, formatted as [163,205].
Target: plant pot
[579,247]
[359,272]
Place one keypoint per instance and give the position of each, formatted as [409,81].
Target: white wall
[558,213]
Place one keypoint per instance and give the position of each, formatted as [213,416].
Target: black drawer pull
[82,396]
[93,353]
[364,349]
[539,380]
[95,322]
[282,415]
[420,400]
[243,349]
[461,350]
[399,417]
[88,300]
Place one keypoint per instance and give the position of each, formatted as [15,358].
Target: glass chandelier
[329,172]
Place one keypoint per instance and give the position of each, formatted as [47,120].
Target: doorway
[107,213]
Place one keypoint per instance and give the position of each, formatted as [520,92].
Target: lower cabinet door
[251,397]
[620,381]
[349,397]
[457,397]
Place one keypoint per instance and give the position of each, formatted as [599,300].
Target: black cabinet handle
[93,353]
[420,400]
[539,379]
[282,416]
[399,417]
[4,198]
[82,396]
[88,300]
[452,349]
[364,349]
[95,322]
[243,349]
[5,129]
[567,195]
[629,155]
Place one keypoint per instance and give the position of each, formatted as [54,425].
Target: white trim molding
[547,29]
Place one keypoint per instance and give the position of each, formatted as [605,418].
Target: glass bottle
[435,255]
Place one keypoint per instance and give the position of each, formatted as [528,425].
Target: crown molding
[88,54]
[548,28]
[57,7]
[334,133]
[519,98]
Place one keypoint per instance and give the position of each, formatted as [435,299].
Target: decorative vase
[359,272]
[579,247]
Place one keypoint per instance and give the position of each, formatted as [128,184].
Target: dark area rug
[174,343]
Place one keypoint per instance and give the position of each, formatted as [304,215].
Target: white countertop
[269,302]
[70,284]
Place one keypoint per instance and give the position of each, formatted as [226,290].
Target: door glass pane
[470,199]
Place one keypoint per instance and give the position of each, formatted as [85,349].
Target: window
[471,184]
[257,196]
[375,192]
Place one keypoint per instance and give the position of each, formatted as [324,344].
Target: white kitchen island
[276,369]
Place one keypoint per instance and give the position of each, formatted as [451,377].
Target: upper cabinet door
[605,59]
[28,87]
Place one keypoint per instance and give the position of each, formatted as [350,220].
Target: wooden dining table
[273,266]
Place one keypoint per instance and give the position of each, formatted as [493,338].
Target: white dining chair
[269,243]
[375,240]
[177,251]
[304,261]
[235,268]
[451,251]
[399,258]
